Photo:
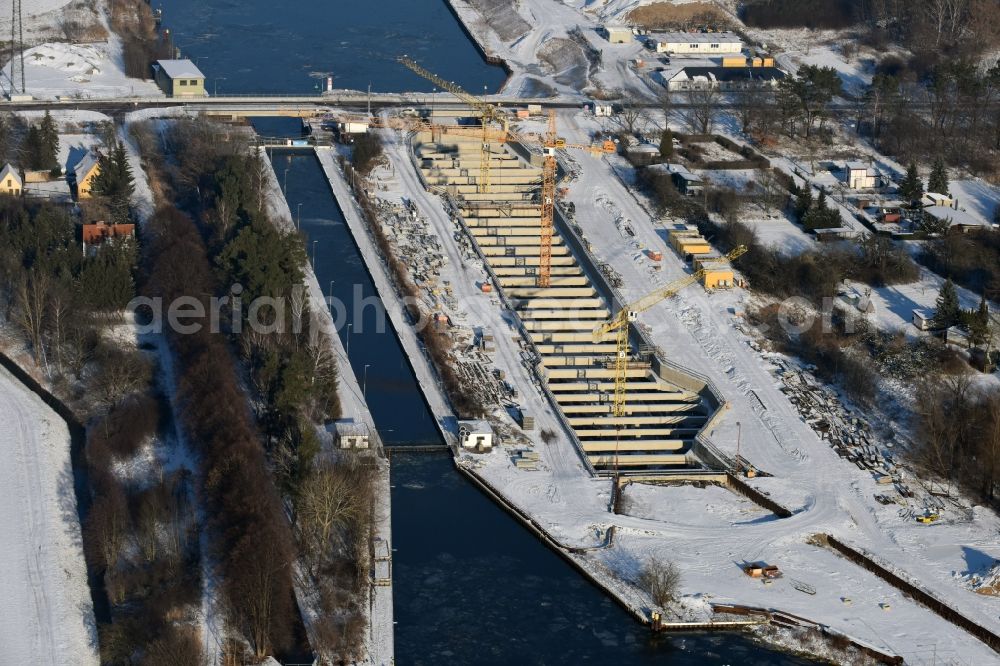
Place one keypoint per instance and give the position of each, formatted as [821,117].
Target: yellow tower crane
[619,325]
[488,113]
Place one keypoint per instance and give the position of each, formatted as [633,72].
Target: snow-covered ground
[81,71]
[46,615]
[825,494]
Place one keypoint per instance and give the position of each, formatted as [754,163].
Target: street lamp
[349,326]
[314,254]
[284,182]
[364,388]
[298,216]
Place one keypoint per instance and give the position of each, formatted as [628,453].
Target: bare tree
[31,309]
[328,499]
[661,579]
[701,109]
[632,117]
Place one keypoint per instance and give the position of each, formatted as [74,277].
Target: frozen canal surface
[257,46]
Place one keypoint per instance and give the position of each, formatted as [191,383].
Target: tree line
[292,390]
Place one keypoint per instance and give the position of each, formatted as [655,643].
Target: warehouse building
[697,43]
[725,78]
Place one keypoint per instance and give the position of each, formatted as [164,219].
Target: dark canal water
[472,586]
[265,46]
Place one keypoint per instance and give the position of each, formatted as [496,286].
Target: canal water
[262,46]
[471,585]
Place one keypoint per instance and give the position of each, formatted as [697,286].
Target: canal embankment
[353,407]
[426,376]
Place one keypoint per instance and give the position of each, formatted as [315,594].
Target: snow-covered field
[46,616]
[80,71]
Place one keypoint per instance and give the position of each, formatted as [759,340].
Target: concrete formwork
[661,417]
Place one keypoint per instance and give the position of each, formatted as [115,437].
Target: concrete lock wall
[664,407]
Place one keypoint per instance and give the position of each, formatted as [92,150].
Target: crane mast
[629,313]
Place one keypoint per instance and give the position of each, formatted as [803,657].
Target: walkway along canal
[471,584]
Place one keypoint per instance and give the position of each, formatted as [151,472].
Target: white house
[860,176]
[697,43]
[10,181]
[475,435]
[618,34]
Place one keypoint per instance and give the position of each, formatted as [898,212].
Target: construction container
[535,109]
[768,62]
[523,114]
[736,61]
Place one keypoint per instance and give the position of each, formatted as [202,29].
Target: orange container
[486,287]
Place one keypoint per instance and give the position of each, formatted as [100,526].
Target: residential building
[618,34]
[96,233]
[10,181]
[725,78]
[958,220]
[686,182]
[697,43]
[936,199]
[860,176]
[179,78]
[84,173]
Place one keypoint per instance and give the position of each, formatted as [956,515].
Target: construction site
[625,408]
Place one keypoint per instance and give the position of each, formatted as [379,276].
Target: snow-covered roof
[476,426]
[85,165]
[676,169]
[957,217]
[180,69]
[857,166]
[8,170]
[697,37]
[728,74]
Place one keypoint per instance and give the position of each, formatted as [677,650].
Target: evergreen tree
[946,310]
[911,188]
[48,143]
[666,143]
[803,202]
[821,202]
[114,180]
[938,180]
[979,323]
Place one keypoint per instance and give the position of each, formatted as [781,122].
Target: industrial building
[725,78]
[618,34]
[179,78]
[663,411]
[697,43]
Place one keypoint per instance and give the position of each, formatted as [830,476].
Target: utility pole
[364,388]
[369,99]
[298,216]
